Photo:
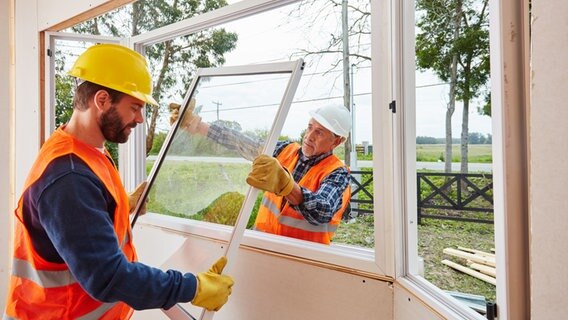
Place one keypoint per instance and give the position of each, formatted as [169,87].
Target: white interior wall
[548,171]
[27,113]
[6,105]
[267,286]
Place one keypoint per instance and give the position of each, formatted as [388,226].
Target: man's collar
[314,159]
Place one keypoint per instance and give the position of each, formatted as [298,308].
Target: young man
[307,186]
[74,256]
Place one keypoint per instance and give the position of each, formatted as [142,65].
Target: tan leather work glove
[267,174]
[190,121]
[134,196]
[213,288]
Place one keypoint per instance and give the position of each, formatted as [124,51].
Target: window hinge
[392,106]
[49,53]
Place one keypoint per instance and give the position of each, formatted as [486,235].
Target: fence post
[418,192]
[357,177]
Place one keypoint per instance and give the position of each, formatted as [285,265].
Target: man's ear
[102,100]
[338,141]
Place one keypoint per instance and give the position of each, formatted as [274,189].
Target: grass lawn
[433,236]
[477,153]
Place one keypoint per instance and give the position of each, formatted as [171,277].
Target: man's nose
[139,118]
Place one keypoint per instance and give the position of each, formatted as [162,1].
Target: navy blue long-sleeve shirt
[69,214]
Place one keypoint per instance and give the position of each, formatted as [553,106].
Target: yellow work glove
[190,121]
[134,196]
[213,288]
[267,174]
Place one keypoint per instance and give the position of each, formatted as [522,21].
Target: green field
[477,153]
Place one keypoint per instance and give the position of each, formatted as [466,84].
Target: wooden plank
[490,261]
[470,272]
[483,253]
[483,269]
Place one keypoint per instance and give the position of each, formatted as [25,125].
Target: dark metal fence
[457,193]
[458,196]
[361,194]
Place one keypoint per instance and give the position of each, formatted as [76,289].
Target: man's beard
[112,128]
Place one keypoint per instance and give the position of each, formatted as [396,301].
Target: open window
[62,49]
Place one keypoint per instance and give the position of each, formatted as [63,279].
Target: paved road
[438,166]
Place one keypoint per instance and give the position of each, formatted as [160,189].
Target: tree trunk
[157,87]
[464,136]
[452,95]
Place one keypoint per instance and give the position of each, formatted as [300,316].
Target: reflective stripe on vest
[275,214]
[296,223]
[45,279]
[41,289]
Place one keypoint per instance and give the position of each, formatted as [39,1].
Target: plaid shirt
[318,206]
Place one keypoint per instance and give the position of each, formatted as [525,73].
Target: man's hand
[267,174]
[190,121]
[135,196]
[213,288]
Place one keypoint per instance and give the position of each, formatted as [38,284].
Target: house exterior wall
[548,152]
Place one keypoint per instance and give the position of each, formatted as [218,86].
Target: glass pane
[203,177]
[453,151]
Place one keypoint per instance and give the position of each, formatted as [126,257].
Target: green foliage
[225,209]
[172,63]
[64,89]
[112,148]
[436,45]
[159,139]
[255,208]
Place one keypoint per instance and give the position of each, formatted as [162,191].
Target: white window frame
[354,259]
[510,180]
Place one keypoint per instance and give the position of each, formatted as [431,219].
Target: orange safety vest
[277,216]
[40,289]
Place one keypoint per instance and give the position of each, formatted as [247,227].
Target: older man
[307,186]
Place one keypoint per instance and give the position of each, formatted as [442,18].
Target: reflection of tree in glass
[186,188]
[225,209]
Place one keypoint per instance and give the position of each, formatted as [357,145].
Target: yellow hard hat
[116,67]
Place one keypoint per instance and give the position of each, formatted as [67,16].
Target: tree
[173,62]
[453,42]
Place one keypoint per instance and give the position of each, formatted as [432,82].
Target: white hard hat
[334,117]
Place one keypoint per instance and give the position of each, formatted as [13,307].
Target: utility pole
[346,80]
[217,103]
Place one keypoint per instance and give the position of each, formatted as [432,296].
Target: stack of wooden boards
[479,264]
